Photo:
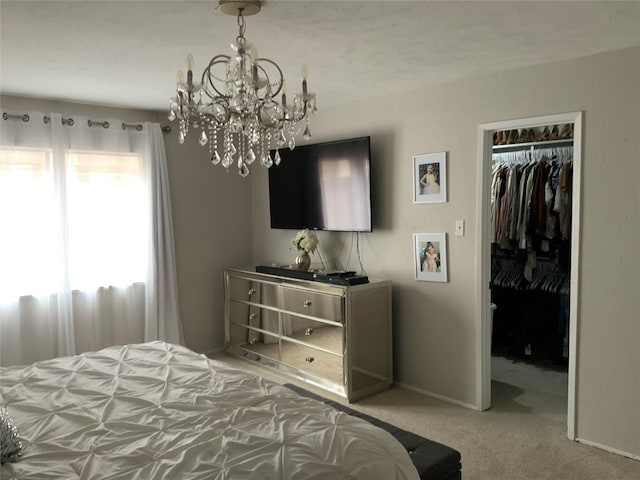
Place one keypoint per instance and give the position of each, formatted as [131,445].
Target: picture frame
[430,178]
[430,256]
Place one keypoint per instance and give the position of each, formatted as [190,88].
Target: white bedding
[161,411]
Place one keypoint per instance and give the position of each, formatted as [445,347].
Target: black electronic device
[341,280]
[285,272]
[336,273]
[335,277]
[323,186]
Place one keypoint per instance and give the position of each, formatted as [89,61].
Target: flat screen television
[323,186]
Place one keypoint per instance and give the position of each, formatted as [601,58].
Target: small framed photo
[430,252]
[430,178]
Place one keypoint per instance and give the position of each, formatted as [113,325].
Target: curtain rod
[70,122]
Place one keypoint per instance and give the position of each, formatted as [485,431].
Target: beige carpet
[523,436]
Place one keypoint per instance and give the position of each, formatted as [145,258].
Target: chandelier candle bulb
[283,89]
[305,74]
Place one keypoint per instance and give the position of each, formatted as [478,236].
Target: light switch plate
[459,228]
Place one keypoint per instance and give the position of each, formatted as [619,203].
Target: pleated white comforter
[161,411]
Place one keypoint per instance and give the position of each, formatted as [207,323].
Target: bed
[160,411]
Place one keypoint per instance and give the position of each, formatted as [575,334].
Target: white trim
[485,141]
[435,395]
[576,216]
[608,449]
[483,272]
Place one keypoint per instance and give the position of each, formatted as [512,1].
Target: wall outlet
[460,228]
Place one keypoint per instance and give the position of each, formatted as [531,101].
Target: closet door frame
[483,254]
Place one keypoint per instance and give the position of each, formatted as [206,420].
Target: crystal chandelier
[236,107]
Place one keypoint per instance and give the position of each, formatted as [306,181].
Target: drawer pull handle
[309,359]
[308,331]
[307,303]
[253,316]
[252,291]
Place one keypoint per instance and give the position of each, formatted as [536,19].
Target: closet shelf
[562,142]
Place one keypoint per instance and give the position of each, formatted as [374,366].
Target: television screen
[323,186]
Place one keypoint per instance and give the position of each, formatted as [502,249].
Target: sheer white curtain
[86,238]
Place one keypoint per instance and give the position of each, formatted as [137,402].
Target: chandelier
[240,105]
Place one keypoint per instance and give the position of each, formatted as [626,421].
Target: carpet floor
[522,437]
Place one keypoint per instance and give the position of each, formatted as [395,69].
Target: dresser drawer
[317,334]
[249,290]
[243,314]
[320,305]
[310,360]
[255,341]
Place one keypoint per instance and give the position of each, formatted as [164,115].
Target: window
[80,225]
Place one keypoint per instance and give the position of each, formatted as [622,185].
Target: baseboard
[608,449]
[213,351]
[435,395]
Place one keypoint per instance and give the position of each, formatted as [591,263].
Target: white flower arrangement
[305,240]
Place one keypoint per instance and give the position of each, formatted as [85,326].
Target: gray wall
[435,324]
[213,229]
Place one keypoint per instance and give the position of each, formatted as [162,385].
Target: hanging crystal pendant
[276,158]
[251,157]
[213,146]
[232,149]
[181,137]
[282,140]
[307,133]
[171,116]
[292,142]
[243,170]
[227,161]
[203,138]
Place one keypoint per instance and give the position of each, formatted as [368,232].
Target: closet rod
[70,122]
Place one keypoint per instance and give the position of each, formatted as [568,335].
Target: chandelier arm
[207,76]
[302,115]
[280,82]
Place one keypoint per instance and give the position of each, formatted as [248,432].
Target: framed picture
[430,252]
[430,178]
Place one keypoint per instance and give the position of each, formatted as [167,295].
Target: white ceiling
[127,53]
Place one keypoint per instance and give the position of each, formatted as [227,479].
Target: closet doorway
[529,139]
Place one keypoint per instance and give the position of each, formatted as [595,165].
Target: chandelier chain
[242,26]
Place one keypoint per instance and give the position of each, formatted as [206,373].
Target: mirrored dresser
[337,337]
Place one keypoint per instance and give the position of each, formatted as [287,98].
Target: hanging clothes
[530,234]
[529,199]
